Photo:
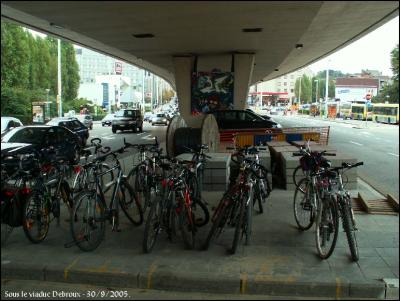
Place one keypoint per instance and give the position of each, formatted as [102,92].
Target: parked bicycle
[339,205]
[236,206]
[91,211]
[175,207]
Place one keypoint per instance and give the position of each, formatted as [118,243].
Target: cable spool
[204,131]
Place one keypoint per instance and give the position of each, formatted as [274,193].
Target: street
[376,144]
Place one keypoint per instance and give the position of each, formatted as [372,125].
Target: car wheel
[102,124]
[114,130]
[141,129]
[91,127]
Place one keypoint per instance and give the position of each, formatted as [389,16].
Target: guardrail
[261,136]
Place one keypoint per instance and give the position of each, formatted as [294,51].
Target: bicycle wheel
[327,227]
[220,217]
[238,226]
[258,198]
[187,226]
[129,204]
[152,226]
[106,179]
[248,220]
[137,178]
[304,204]
[87,221]
[298,174]
[201,213]
[349,228]
[36,217]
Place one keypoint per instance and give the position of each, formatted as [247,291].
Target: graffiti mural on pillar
[211,91]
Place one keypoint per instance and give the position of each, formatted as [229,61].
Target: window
[285,83]
[278,83]
[285,90]
[291,90]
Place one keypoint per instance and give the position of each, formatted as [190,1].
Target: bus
[386,113]
[345,110]
[361,111]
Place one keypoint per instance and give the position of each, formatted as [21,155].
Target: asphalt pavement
[280,260]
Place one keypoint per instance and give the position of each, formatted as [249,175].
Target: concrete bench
[290,162]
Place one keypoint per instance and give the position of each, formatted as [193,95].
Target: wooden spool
[176,122]
[207,133]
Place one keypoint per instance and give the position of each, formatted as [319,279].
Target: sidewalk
[280,261]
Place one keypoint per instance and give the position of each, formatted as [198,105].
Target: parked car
[74,125]
[262,114]
[8,123]
[86,119]
[127,119]
[160,118]
[107,120]
[49,140]
[242,119]
[148,116]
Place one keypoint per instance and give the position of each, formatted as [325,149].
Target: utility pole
[59,100]
[143,103]
[326,93]
[300,92]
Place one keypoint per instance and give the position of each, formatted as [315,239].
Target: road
[377,145]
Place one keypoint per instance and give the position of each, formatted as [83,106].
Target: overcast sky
[370,52]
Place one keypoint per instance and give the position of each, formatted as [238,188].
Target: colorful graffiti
[211,91]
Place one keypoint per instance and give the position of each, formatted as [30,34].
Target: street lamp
[48,104]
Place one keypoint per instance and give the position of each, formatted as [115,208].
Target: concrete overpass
[259,40]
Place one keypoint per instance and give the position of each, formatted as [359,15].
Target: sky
[370,52]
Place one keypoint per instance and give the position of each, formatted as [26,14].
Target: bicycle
[341,198]
[84,172]
[175,205]
[91,211]
[235,207]
[45,198]
[195,181]
[306,193]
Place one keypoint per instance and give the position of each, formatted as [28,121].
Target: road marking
[153,267]
[365,133]
[356,143]
[338,288]
[243,283]
[393,154]
[66,270]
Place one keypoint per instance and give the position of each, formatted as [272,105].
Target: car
[74,125]
[261,114]
[242,119]
[46,139]
[127,119]
[107,120]
[160,118]
[148,116]
[86,119]
[8,123]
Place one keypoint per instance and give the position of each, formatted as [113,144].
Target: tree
[305,94]
[390,92]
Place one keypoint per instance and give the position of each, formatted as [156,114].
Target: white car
[8,123]
[107,120]
[159,118]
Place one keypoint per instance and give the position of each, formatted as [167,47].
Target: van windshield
[126,113]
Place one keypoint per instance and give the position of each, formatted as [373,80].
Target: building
[356,89]
[279,91]
[105,80]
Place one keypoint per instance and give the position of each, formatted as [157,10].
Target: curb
[158,278]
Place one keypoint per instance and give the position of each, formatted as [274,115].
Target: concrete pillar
[244,64]
[184,66]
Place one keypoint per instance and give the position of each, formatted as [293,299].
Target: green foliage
[305,92]
[390,92]
[29,67]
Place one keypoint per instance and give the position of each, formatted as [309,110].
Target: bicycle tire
[258,197]
[36,214]
[304,211]
[152,226]
[220,216]
[187,227]
[238,227]
[248,225]
[350,231]
[298,172]
[89,210]
[327,223]
[201,213]
[138,180]
[130,204]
